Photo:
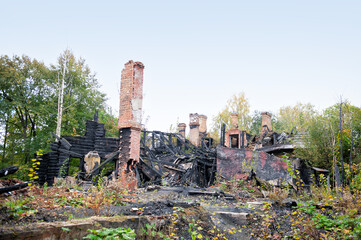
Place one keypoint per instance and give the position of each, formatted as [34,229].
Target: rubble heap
[170,158]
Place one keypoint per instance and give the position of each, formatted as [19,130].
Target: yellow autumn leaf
[200,236]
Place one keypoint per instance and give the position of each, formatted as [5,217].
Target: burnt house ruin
[56,162]
[138,157]
[167,157]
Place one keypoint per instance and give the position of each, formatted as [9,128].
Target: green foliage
[355,176]
[29,100]
[322,140]
[256,123]
[337,224]
[111,233]
[80,93]
[65,229]
[24,92]
[299,116]
[74,167]
[18,208]
[33,171]
[289,165]
[73,202]
[110,123]
[194,229]
[151,232]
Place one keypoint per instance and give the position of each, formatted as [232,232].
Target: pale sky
[197,54]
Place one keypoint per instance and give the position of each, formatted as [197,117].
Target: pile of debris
[9,185]
[68,148]
[171,158]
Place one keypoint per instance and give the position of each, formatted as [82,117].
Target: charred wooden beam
[63,142]
[14,187]
[105,162]
[148,170]
[174,168]
[8,170]
[71,153]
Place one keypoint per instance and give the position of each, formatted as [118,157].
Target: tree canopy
[29,103]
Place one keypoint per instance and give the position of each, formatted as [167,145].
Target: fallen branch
[8,170]
[14,187]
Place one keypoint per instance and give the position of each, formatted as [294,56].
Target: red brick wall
[233,163]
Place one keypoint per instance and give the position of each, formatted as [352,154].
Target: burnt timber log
[8,170]
[14,187]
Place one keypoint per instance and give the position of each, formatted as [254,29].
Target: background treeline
[29,92]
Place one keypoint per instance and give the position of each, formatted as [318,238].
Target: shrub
[111,233]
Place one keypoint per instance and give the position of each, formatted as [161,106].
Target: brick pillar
[266,120]
[234,120]
[182,129]
[203,124]
[130,115]
[194,129]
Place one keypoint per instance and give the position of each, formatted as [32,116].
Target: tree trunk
[60,102]
[5,139]
[341,153]
[350,161]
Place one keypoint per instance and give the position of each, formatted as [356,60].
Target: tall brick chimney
[234,120]
[203,124]
[182,129]
[130,115]
[131,95]
[194,129]
[266,121]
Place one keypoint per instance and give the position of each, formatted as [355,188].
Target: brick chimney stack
[203,124]
[194,129]
[182,129]
[130,116]
[234,120]
[266,121]
[131,95]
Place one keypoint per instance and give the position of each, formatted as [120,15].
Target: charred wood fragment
[14,187]
[8,170]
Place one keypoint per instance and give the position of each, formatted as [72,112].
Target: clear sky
[199,53]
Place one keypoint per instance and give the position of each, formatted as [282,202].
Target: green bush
[111,233]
